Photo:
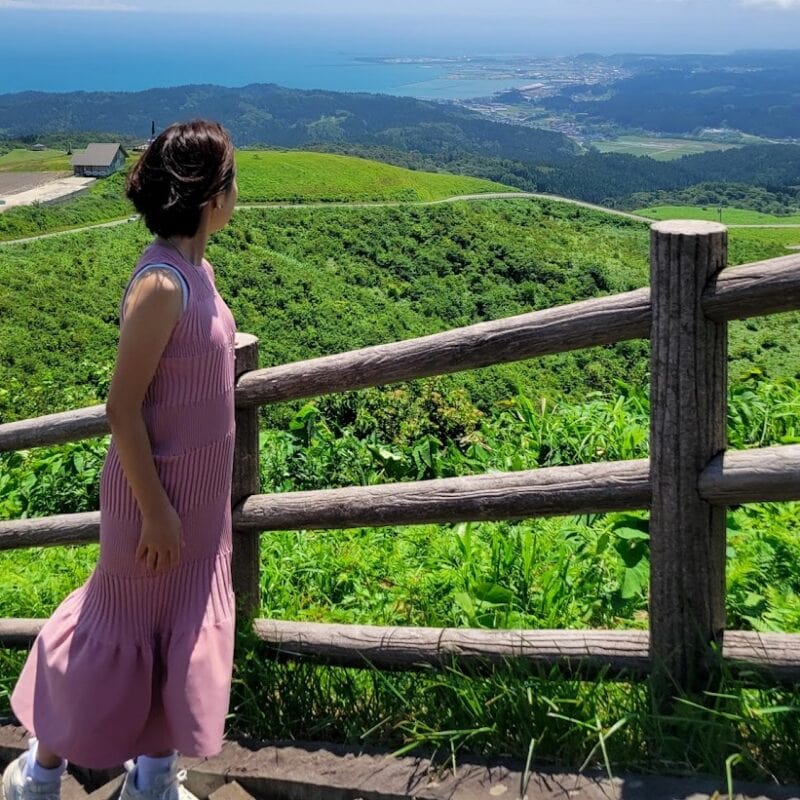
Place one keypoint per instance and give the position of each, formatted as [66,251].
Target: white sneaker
[17,787]
[165,787]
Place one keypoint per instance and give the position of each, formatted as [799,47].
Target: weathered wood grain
[54,531]
[66,426]
[764,287]
[752,476]
[246,559]
[584,489]
[412,647]
[687,429]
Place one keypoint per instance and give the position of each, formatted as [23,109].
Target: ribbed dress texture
[133,661]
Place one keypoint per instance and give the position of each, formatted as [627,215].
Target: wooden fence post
[687,429]
[246,556]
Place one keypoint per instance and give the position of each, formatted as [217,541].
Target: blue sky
[484,25]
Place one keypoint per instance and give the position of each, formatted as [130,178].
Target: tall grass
[572,572]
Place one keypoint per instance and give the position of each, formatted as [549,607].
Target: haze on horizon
[419,27]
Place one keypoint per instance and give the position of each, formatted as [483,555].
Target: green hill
[263,176]
[268,175]
[324,280]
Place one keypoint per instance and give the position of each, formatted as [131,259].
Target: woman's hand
[161,540]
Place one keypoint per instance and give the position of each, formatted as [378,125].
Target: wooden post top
[244,340]
[687,227]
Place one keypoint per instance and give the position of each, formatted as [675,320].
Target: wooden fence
[687,483]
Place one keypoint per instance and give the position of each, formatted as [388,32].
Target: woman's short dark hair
[184,167]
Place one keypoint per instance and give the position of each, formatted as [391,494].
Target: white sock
[147,769]
[33,769]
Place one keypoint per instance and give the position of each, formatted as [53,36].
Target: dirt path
[469,198]
[383,204]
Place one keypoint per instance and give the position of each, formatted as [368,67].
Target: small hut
[99,160]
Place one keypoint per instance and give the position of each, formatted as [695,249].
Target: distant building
[38,147]
[99,160]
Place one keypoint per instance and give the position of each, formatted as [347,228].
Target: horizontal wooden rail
[55,531]
[761,288]
[408,648]
[554,491]
[65,426]
[753,290]
[618,653]
[599,321]
[752,476]
[745,476]
[615,653]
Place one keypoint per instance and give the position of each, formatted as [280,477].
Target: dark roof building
[99,160]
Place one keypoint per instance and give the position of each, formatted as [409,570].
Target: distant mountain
[404,131]
[269,114]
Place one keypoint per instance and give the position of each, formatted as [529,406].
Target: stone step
[249,770]
[230,791]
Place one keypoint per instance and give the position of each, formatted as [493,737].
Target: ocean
[121,51]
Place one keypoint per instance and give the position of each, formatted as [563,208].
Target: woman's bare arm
[152,309]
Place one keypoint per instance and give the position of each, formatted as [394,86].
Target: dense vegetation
[270,114]
[779,202]
[311,282]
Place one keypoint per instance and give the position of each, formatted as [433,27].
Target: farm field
[658,148]
[730,216]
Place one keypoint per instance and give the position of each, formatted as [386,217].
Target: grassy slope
[730,216]
[263,176]
[291,175]
[30,161]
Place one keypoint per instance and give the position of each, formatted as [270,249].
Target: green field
[294,176]
[29,161]
[658,148]
[730,216]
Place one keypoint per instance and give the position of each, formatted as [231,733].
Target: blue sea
[128,51]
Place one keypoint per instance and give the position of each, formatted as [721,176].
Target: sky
[481,26]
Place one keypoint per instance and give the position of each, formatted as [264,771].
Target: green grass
[266,175]
[29,161]
[730,216]
[658,148]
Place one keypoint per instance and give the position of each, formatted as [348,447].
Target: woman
[137,662]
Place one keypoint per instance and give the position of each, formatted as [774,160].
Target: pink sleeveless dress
[136,662]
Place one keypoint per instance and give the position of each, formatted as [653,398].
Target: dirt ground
[13,182]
